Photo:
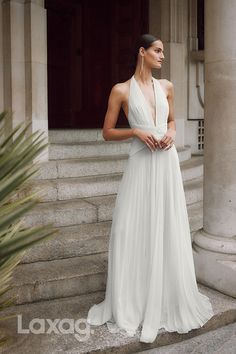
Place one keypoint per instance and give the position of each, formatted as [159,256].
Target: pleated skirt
[151,279]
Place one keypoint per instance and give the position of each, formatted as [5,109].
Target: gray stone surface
[83,166]
[49,270]
[219,341]
[74,135]
[101,340]
[59,278]
[88,149]
[195,215]
[71,263]
[217,239]
[95,165]
[79,178]
[62,213]
[71,241]
[89,186]
[192,168]
[100,148]
[90,238]
[81,206]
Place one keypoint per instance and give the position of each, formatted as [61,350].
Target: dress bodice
[139,115]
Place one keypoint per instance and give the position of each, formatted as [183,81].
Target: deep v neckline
[146,102]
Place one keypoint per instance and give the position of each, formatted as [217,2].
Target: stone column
[24,35]
[215,245]
[36,64]
[13,60]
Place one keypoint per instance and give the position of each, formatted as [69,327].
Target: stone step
[103,184]
[81,167]
[74,135]
[100,148]
[86,239]
[76,187]
[93,166]
[195,215]
[192,168]
[62,213]
[51,279]
[193,193]
[93,209]
[71,241]
[88,149]
[59,278]
[98,338]
[219,341]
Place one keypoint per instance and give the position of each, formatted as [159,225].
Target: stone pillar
[36,64]
[215,245]
[24,35]
[13,60]
[168,20]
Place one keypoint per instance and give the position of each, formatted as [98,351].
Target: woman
[151,278]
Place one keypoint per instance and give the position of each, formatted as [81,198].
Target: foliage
[18,151]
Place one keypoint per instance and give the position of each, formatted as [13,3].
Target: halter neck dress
[151,282]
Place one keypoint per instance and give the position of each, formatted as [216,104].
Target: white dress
[151,278]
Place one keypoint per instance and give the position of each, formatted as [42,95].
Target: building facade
[59,59]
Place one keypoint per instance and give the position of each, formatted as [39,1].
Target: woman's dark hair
[145,41]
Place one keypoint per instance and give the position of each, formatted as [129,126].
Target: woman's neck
[145,77]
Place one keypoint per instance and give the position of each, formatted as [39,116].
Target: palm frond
[18,153]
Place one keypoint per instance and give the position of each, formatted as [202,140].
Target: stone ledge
[101,341]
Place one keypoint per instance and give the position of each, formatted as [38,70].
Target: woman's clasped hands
[153,143]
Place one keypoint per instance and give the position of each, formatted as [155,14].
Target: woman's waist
[159,129]
[149,126]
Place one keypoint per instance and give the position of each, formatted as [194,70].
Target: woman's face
[154,55]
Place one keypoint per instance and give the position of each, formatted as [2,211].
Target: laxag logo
[56,326]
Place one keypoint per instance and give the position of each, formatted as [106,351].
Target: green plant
[17,164]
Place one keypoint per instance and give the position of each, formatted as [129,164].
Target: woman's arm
[170,98]
[169,137]
[114,104]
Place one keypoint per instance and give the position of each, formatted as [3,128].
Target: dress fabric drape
[151,279]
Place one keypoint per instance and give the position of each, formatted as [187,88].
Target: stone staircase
[79,185]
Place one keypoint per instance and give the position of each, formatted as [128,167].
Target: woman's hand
[147,138]
[168,139]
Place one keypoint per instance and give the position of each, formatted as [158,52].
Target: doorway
[89,47]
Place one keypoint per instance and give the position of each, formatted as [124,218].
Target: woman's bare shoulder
[121,89]
[166,85]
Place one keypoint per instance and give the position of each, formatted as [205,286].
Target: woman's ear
[141,51]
